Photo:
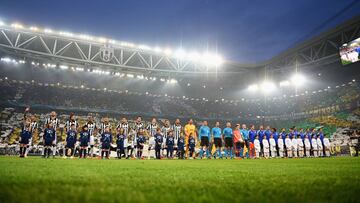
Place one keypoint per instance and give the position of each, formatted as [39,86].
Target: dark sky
[245,31]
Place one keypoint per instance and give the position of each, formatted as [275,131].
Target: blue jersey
[267,134]
[71,138]
[216,132]
[181,143]
[283,135]
[25,136]
[191,142]
[204,131]
[170,141]
[302,135]
[106,138]
[275,136]
[261,134]
[49,135]
[308,134]
[140,139]
[158,139]
[252,135]
[321,136]
[84,138]
[291,135]
[228,132]
[245,134]
[120,140]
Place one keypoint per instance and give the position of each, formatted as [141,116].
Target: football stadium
[180,101]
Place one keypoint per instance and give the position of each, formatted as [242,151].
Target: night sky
[245,31]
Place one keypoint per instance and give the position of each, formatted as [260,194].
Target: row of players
[244,142]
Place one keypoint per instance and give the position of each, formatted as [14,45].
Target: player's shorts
[84,144]
[238,145]
[228,142]
[24,142]
[139,146]
[48,143]
[70,145]
[163,143]
[204,141]
[218,142]
[105,146]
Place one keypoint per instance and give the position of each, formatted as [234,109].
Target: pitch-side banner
[350,52]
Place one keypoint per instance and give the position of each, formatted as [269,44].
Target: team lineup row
[238,142]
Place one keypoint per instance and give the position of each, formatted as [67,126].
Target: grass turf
[277,180]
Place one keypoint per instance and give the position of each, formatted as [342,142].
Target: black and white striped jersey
[69,123]
[165,130]
[54,121]
[138,126]
[177,131]
[91,127]
[105,125]
[152,129]
[124,126]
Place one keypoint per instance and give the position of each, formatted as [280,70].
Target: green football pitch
[277,180]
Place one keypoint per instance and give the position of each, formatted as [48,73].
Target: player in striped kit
[92,128]
[55,124]
[105,124]
[151,130]
[30,119]
[177,129]
[124,125]
[165,130]
[137,126]
[70,122]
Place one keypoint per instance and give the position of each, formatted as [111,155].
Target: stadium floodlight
[157,49]
[144,47]
[253,87]
[102,39]
[180,54]
[47,30]
[298,80]
[284,83]
[17,26]
[188,84]
[79,69]
[130,75]
[173,81]
[63,67]
[67,34]
[211,59]
[86,37]
[112,41]
[194,56]
[168,51]
[162,79]
[2,23]
[140,77]
[154,78]
[33,28]
[267,87]
[7,60]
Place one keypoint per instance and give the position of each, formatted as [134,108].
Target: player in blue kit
[140,142]
[217,139]
[71,139]
[84,141]
[228,137]
[106,139]
[180,147]
[261,134]
[48,139]
[158,143]
[191,145]
[25,137]
[120,145]
[204,137]
[267,132]
[170,142]
[252,136]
